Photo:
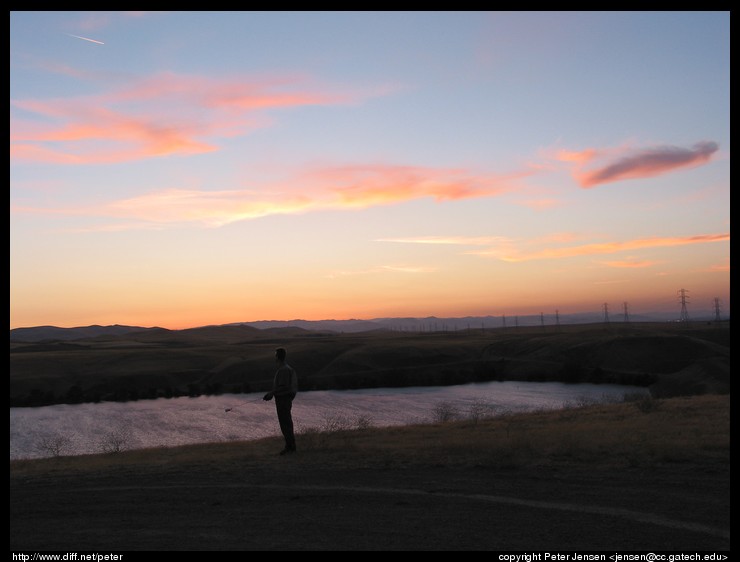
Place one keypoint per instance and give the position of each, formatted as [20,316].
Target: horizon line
[618,317]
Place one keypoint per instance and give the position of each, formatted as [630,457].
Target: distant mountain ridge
[427,324]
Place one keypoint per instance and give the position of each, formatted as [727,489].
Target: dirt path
[289,505]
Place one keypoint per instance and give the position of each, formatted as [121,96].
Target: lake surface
[78,429]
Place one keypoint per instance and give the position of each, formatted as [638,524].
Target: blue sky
[189,168]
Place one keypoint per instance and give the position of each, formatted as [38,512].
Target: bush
[480,410]
[116,440]
[647,404]
[445,411]
[53,445]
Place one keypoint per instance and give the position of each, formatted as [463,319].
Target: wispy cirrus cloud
[594,167]
[97,20]
[161,115]
[366,185]
[629,263]
[448,240]
[723,267]
[410,269]
[552,247]
[540,204]
[92,134]
[329,188]
[509,254]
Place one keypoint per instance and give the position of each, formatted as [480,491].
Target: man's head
[280,354]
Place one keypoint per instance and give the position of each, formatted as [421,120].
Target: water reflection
[91,428]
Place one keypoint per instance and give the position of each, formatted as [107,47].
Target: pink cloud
[161,115]
[100,135]
[540,204]
[93,21]
[331,188]
[362,186]
[637,164]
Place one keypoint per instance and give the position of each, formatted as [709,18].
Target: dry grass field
[651,474]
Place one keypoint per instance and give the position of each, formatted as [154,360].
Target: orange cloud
[637,164]
[507,249]
[540,204]
[382,269]
[85,140]
[721,267]
[369,185]
[348,187]
[578,157]
[628,263]
[506,254]
[165,114]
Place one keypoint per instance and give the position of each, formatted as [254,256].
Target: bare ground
[243,497]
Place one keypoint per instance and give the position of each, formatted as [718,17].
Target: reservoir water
[80,429]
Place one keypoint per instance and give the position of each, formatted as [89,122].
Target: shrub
[444,411]
[363,422]
[647,404]
[52,445]
[116,440]
[479,410]
[334,422]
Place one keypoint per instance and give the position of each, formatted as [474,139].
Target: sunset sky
[179,169]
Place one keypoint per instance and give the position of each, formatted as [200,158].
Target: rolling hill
[670,358]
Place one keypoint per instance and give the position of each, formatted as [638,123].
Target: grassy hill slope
[673,359]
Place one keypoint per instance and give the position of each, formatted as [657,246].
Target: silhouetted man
[284,390]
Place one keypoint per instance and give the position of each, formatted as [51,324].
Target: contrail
[86,39]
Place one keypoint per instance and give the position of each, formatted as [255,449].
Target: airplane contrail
[86,39]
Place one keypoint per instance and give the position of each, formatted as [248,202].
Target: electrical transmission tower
[626,314]
[684,298]
[606,313]
[716,310]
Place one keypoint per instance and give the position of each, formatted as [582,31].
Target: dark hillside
[671,359]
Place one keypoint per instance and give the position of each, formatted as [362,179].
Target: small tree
[479,410]
[52,445]
[444,411]
[116,440]
[363,422]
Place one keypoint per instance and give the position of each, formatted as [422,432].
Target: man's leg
[284,405]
